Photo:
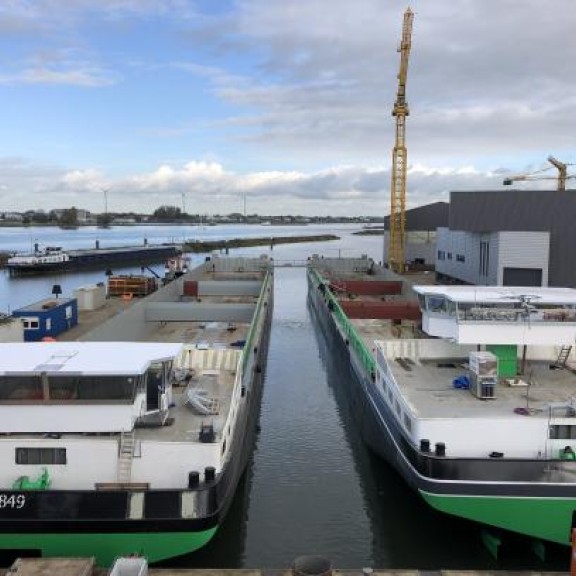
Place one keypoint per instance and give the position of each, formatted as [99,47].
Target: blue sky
[287,103]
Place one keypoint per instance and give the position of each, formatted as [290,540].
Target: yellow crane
[561,178]
[399,154]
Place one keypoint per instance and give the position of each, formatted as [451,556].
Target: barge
[469,392]
[55,259]
[130,436]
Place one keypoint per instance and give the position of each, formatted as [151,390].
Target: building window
[31,323]
[40,456]
[449,255]
[441,255]
[562,432]
[460,258]
[484,263]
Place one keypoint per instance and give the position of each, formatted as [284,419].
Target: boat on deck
[105,449]
[469,392]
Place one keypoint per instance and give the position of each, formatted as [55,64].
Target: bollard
[209,474]
[193,479]
[311,566]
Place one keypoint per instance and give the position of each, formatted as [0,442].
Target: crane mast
[399,154]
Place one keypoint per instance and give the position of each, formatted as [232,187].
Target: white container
[91,297]
[11,329]
[483,363]
[129,567]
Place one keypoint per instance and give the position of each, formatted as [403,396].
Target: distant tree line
[70,217]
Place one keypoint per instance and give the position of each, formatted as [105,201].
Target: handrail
[255,317]
[357,344]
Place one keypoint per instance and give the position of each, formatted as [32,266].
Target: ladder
[563,356]
[125,455]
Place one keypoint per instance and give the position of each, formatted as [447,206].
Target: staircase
[563,356]
[125,455]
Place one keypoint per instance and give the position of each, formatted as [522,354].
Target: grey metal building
[513,237]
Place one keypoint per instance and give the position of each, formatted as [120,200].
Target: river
[312,487]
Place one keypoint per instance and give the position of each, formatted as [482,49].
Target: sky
[282,106]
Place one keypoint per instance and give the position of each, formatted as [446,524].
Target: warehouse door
[522,277]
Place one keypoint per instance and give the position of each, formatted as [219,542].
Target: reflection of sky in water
[15,293]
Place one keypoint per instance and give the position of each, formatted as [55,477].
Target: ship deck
[215,348]
[427,384]
[426,380]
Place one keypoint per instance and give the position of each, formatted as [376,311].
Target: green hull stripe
[106,547]
[545,518]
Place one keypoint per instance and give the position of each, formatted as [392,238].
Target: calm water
[312,487]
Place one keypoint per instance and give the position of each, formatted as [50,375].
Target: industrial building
[511,238]
[420,233]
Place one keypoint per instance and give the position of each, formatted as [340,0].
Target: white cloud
[85,77]
[305,89]
[479,85]
[209,187]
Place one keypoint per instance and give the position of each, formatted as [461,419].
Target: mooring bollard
[311,566]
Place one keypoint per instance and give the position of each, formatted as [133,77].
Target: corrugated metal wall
[524,250]
[520,211]
[463,257]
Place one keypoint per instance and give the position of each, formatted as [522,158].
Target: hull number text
[13,501]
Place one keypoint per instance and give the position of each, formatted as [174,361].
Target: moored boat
[131,435]
[467,391]
[55,259]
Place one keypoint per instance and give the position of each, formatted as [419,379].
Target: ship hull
[106,546]
[488,491]
[95,259]
[99,523]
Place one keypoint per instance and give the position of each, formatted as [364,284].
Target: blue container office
[48,318]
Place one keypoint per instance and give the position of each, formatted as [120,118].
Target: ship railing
[354,341]
[255,321]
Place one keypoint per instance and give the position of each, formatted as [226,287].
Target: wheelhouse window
[40,456]
[562,432]
[30,389]
[436,304]
[92,388]
[21,388]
